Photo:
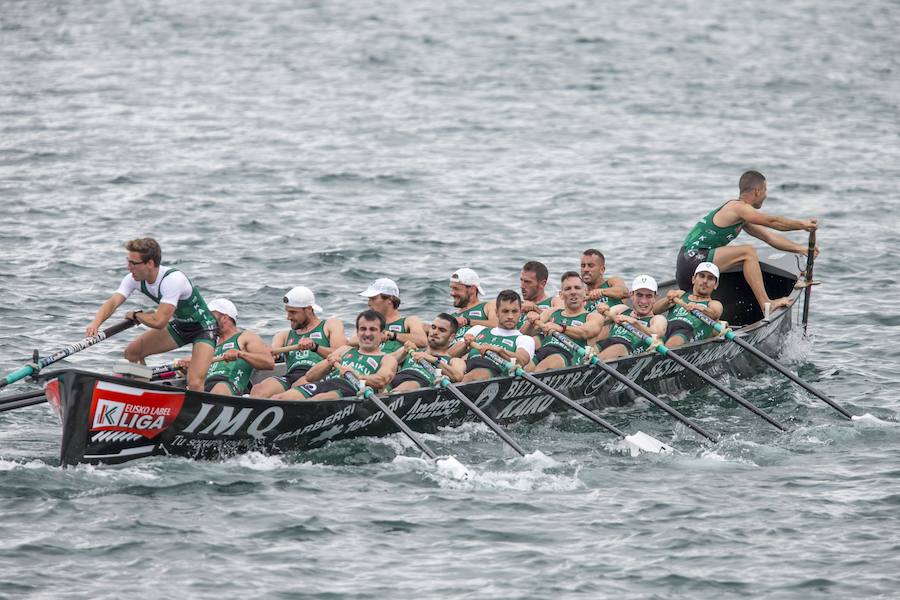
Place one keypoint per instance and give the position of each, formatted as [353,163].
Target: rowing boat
[110,419]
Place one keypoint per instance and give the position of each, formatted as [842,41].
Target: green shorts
[189,332]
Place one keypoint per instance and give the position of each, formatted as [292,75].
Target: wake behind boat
[109,419]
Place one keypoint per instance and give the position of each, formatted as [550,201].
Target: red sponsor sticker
[51,390]
[117,407]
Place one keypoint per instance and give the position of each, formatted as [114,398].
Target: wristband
[468,321]
[315,347]
[134,317]
[394,336]
[564,327]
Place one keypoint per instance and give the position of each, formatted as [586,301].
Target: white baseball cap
[467,276]
[644,282]
[301,297]
[381,286]
[707,267]
[224,306]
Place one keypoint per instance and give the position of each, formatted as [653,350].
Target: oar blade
[452,468]
[642,442]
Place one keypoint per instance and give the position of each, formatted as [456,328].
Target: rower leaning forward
[708,240]
[182,317]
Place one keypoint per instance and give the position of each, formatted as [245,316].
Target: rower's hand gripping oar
[445,383]
[639,441]
[168,369]
[728,334]
[453,466]
[568,343]
[35,367]
[655,345]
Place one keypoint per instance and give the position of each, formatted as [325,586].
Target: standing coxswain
[709,238]
[182,317]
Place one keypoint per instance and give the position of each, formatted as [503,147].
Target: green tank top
[620,332]
[304,359]
[485,336]
[542,305]
[701,329]
[367,364]
[410,365]
[192,309]
[236,372]
[707,234]
[558,317]
[591,305]
[477,312]
[398,326]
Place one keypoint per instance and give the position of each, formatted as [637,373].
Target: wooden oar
[728,334]
[34,368]
[654,345]
[810,259]
[633,385]
[638,441]
[454,466]
[446,384]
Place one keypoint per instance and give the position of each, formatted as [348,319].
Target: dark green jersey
[192,309]
[591,305]
[559,318]
[398,326]
[701,329]
[707,234]
[304,359]
[619,331]
[410,365]
[364,364]
[236,372]
[493,337]
[476,313]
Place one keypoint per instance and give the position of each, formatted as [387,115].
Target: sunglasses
[135,263]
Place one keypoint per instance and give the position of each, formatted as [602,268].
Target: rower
[504,339]
[683,325]
[182,317]
[532,281]
[315,339]
[708,240]
[465,288]
[413,376]
[600,289]
[572,320]
[384,297]
[241,351]
[619,341]
[325,380]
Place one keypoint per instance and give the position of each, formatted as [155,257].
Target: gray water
[274,144]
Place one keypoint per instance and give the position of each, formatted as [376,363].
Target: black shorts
[410,375]
[338,384]
[616,340]
[549,350]
[480,362]
[212,381]
[686,264]
[287,381]
[679,328]
[189,332]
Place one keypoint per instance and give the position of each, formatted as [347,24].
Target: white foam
[257,461]
[532,478]
[870,419]
[13,465]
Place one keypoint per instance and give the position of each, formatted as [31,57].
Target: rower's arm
[777,241]
[454,370]
[416,333]
[713,310]
[105,311]
[321,369]
[591,328]
[617,288]
[279,339]
[334,327]
[255,352]
[379,380]
[665,303]
[658,325]
[490,313]
[154,320]
[752,216]
[530,328]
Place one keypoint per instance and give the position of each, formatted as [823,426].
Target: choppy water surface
[274,144]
